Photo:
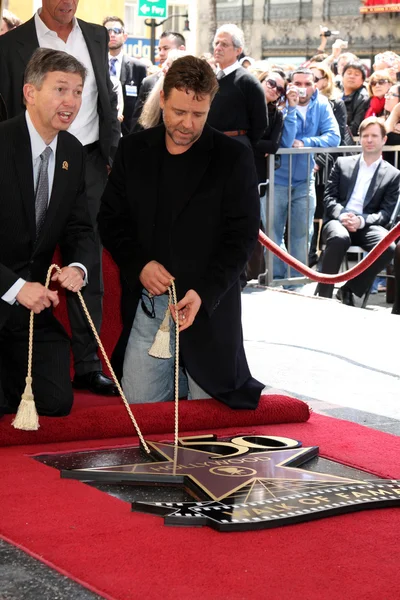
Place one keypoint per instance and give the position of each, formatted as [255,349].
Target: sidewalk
[342,360]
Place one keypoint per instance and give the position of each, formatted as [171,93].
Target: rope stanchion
[27,416]
[371,257]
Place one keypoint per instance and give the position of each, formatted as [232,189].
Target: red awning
[379,6]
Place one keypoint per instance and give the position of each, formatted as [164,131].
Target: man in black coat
[128,70]
[96,127]
[41,207]
[360,197]
[194,218]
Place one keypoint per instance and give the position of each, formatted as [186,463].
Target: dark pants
[337,240]
[50,365]
[84,345]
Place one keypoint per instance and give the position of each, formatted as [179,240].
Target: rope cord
[390,237]
[108,363]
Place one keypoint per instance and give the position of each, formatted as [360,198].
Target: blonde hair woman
[379,84]
[151,114]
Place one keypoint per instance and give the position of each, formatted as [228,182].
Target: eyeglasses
[380,81]
[116,30]
[147,304]
[317,79]
[274,86]
[391,95]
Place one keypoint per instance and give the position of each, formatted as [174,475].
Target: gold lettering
[309,501]
[359,494]
[344,496]
[381,492]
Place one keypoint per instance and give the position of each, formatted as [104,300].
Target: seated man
[43,204]
[194,218]
[360,197]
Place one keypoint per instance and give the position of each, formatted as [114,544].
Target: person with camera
[308,122]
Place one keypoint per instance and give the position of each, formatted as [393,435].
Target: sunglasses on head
[116,30]
[274,86]
[380,81]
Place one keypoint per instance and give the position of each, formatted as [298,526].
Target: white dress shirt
[364,178]
[38,146]
[86,125]
[230,69]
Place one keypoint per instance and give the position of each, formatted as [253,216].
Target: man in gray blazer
[96,127]
[360,197]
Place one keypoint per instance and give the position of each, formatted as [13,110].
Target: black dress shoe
[95,382]
[345,296]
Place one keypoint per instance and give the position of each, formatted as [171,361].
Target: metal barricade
[267,277]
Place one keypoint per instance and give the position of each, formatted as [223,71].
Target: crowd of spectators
[321,103]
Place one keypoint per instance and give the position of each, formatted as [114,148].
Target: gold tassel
[160,347]
[27,417]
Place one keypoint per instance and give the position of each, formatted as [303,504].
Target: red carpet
[98,418]
[95,539]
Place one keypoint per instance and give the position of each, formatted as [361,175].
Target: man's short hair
[45,60]
[191,74]
[372,121]
[234,31]
[302,71]
[117,19]
[178,37]
[356,65]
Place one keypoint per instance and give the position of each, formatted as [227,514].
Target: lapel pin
[65,165]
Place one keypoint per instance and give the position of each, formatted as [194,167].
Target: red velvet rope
[390,237]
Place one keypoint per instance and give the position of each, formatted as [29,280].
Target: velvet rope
[390,237]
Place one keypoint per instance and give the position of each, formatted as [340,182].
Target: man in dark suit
[42,180]
[198,226]
[360,197]
[169,40]
[128,70]
[96,127]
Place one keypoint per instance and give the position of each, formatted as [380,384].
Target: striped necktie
[42,190]
[113,68]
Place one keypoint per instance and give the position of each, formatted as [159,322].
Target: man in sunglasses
[128,70]
[96,126]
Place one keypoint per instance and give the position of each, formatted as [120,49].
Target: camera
[302,92]
[325,32]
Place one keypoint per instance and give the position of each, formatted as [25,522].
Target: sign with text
[139,47]
[153,9]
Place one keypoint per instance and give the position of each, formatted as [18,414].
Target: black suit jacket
[67,220]
[17,47]
[381,196]
[213,233]
[147,85]
[132,74]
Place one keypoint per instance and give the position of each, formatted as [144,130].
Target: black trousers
[51,383]
[84,345]
[396,305]
[337,240]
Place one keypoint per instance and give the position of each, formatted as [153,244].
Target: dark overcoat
[214,230]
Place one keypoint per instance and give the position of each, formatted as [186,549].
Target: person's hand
[155,278]
[70,278]
[351,221]
[120,118]
[34,296]
[187,309]
[292,95]
[298,144]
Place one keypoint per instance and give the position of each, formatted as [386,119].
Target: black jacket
[381,196]
[17,47]
[213,232]
[67,220]
[356,105]
[132,74]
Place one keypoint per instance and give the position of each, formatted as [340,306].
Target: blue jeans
[148,379]
[300,223]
